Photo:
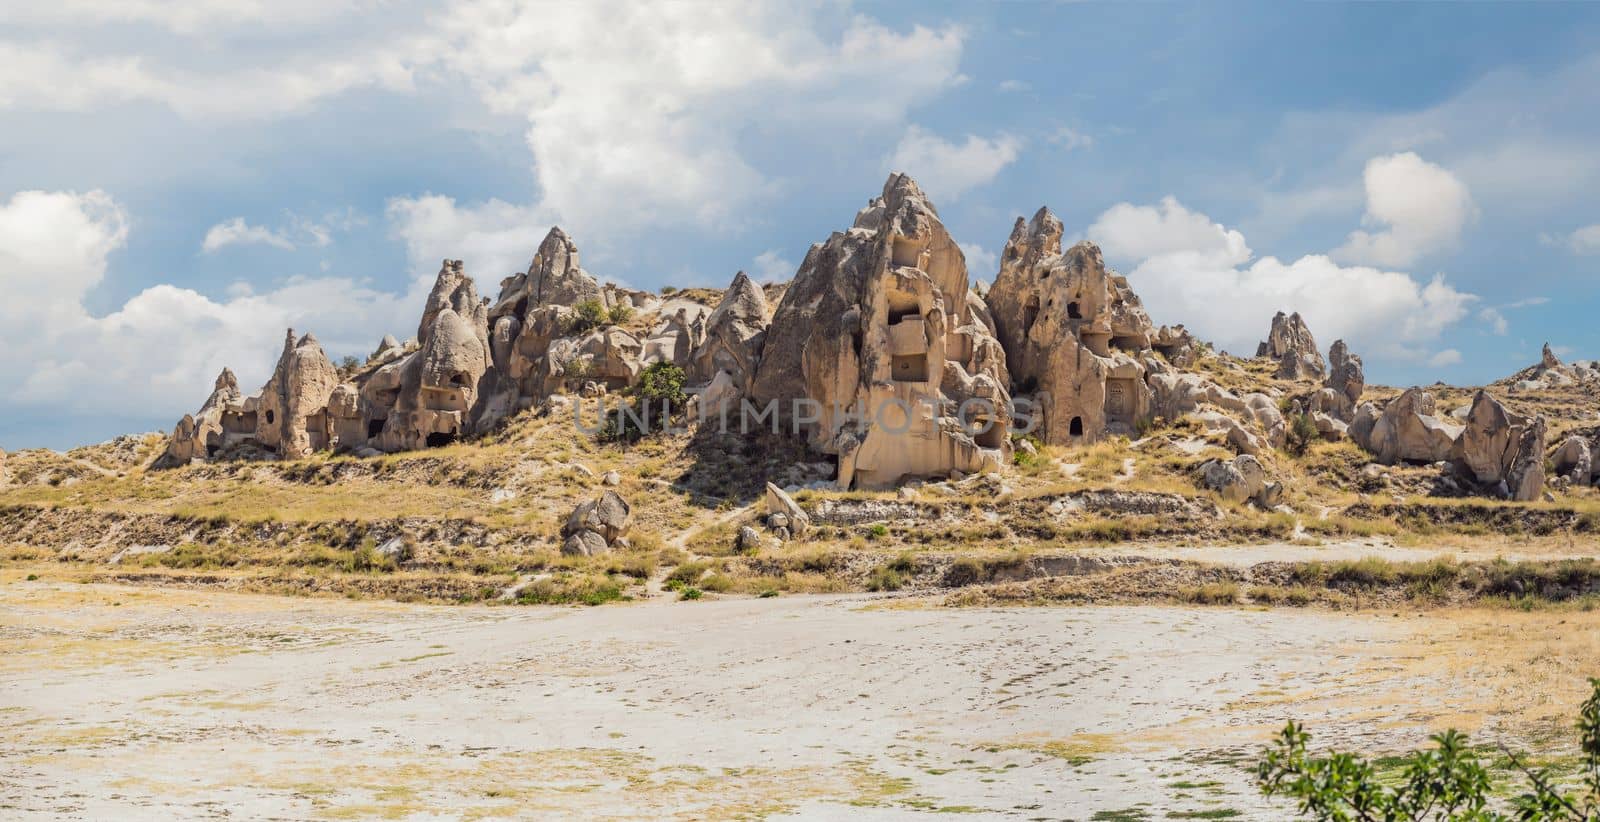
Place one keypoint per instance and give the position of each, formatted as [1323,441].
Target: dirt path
[158,704]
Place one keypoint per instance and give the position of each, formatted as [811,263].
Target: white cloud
[1585,240]
[238,232]
[1130,232]
[946,170]
[1011,86]
[191,16]
[493,239]
[1496,321]
[1192,270]
[635,111]
[298,233]
[770,266]
[159,351]
[1448,356]
[1420,207]
[52,77]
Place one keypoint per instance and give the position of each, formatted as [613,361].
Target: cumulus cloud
[635,111]
[946,169]
[1416,208]
[160,350]
[1191,269]
[493,239]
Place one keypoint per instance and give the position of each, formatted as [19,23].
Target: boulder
[597,525]
[1574,459]
[1238,480]
[611,478]
[585,544]
[1501,450]
[1407,431]
[615,515]
[749,539]
[1289,342]
[779,502]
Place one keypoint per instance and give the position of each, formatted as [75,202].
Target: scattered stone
[611,478]
[748,540]
[779,502]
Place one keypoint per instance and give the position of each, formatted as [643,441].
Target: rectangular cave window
[1076,427]
[910,368]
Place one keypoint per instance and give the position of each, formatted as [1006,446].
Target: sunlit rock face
[1076,337]
[880,331]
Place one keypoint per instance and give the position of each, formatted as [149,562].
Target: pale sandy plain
[139,703]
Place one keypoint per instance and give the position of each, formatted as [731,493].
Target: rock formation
[1574,459]
[1241,479]
[597,525]
[291,415]
[734,334]
[1346,375]
[553,278]
[1072,333]
[201,435]
[428,397]
[1289,342]
[1501,451]
[1407,430]
[879,335]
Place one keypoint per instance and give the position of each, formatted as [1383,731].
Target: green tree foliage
[1449,782]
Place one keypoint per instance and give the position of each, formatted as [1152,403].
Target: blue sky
[180,182]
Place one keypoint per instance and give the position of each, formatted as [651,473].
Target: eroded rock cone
[1501,450]
[1346,374]
[734,334]
[881,317]
[1289,342]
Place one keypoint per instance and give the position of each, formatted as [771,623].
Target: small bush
[877,531]
[690,593]
[1213,593]
[621,313]
[590,314]
[885,579]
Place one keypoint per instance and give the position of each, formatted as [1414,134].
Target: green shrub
[621,313]
[590,314]
[690,593]
[1449,782]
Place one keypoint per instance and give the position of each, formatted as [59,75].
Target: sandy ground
[126,703]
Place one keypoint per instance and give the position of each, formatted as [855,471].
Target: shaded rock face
[1072,333]
[878,330]
[1500,450]
[1547,358]
[1346,376]
[1574,459]
[290,416]
[1289,342]
[1407,430]
[734,334]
